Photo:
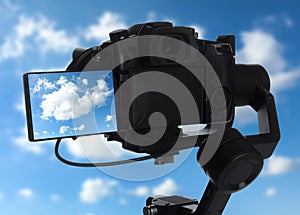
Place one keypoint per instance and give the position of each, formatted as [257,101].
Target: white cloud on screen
[43,83]
[80,128]
[278,165]
[63,129]
[93,190]
[36,31]
[108,118]
[108,22]
[85,81]
[260,47]
[69,103]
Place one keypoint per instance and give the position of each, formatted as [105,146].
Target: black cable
[104,164]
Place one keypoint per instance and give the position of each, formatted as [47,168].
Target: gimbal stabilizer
[235,165]
[239,159]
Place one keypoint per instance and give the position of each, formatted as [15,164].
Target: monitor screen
[69,104]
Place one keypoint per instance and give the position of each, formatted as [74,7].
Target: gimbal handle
[213,202]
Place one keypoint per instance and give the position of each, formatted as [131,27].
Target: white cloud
[23,143]
[1,196]
[271,192]
[285,80]
[93,190]
[151,16]
[36,33]
[66,102]
[7,6]
[260,47]
[168,187]
[282,19]
[22,140]
[50,39]
[123,201]
[63,129]
[140,191]
[26,193]
[269,19]
[288,22]
[55,198]
[80,128]
[96,147]
[278,165]
[200,30]
[106,23]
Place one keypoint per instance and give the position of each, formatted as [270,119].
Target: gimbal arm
[269,133]
[214,200]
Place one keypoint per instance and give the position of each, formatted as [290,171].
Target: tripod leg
[212,202]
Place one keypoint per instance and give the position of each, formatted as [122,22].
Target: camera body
[219,53]
[238,82]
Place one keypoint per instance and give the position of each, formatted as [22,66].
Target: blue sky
[40,35]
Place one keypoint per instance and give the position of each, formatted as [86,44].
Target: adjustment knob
[118,35]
